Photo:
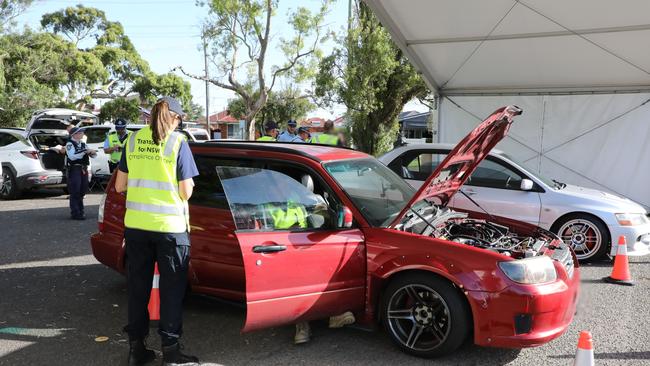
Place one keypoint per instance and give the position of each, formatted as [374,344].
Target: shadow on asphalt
[54,315]
[614,356]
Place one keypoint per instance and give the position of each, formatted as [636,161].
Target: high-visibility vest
[325,139]
[294,216]
[114,140]
[153,202]
[266,138]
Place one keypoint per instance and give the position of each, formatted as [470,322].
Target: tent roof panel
[507,46]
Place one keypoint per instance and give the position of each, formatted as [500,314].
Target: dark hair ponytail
[162,121]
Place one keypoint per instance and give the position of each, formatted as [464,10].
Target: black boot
[172,356]
[139,354]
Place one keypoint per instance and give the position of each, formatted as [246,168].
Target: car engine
[444,223]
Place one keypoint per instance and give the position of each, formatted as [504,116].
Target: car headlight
[529,271]
[630,219]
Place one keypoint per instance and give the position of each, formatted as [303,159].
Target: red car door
[295,270]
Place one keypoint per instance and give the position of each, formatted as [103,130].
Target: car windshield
[378,192]
[547,181]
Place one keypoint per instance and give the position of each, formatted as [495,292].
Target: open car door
[299,264]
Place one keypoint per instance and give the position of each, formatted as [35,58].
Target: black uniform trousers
[112,166]
[172,252]
[77,188]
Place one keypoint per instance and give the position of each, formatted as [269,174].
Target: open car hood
[459,164]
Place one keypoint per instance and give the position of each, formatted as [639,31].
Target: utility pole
[207,84]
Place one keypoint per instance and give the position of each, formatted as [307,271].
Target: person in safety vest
[115,142]
[270,132]
[78,160]
[303,330]
[156,171]
[328,137]
[289,135]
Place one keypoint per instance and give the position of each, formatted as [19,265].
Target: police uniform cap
[303,129]
[74,130]
[270,125]
[292,123]
[120,124]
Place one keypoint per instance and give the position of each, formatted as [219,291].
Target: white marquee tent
[580,69]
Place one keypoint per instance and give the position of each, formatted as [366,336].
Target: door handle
[269,248]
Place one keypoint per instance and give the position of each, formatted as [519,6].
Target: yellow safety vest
[294,216]
[266,138]
[326,139]
[114,140]
[152,199]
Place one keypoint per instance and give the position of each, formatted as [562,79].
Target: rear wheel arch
[10,166]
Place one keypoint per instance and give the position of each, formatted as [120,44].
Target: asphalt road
[55,300]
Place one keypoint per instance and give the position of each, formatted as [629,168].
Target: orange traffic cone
[621,271]
[585,351]
[154,298]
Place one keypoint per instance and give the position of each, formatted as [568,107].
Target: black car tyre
[585,234]
[9,189]
[425,315]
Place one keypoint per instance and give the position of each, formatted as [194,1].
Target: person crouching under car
[78,161]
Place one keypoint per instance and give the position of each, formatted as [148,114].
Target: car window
[208,191]
[263,199]
[49,124]
[7,139]
[96,135]
[420,166]
[200,135]
[492,174]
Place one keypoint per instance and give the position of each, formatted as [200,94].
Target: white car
[22,168]
[199,134]
[587,219]
[95,137]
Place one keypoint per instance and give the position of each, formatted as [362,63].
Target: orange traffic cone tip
[585,351]
[154,298]
[621,271]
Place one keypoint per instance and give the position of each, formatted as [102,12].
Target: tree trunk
[250,129]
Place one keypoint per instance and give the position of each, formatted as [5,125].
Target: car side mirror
[526,185]
[344,218]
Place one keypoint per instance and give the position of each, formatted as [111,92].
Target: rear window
[200,135]
[49,124]
[96,135]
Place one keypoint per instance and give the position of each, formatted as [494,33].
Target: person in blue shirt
[114,143]
[289,135]
[303,135]
[78,160]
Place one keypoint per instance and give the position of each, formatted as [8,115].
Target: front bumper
[525,315]
[45,178]
[636,237]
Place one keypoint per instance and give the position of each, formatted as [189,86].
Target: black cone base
[618,282]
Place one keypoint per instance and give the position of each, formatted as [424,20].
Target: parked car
[95,136]
[22,168]
[199,134]
[369,244]
[586,219]
[47,131]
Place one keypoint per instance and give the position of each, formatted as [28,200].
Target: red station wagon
[369,244]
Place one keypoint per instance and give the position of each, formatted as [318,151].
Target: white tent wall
[600,141]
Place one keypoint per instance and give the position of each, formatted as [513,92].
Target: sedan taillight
[30,154]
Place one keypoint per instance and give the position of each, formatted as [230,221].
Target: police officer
[328,137]
[270,132]
[289,135]
[303,135]
[78,160]
[115,142]
[156,171]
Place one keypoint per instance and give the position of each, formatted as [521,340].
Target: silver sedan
[587,219]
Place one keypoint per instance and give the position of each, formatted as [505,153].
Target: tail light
[30,154]
[100,213]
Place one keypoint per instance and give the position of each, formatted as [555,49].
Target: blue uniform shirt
[185,165]
[285,136]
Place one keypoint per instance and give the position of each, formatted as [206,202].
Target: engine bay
[445,223]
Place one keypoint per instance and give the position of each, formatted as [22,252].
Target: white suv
[21,165]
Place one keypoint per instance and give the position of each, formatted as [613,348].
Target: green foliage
[195,112]
[239,33]
[9,10]
[280,107]
[373,79]
[76,23]
[120,108]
